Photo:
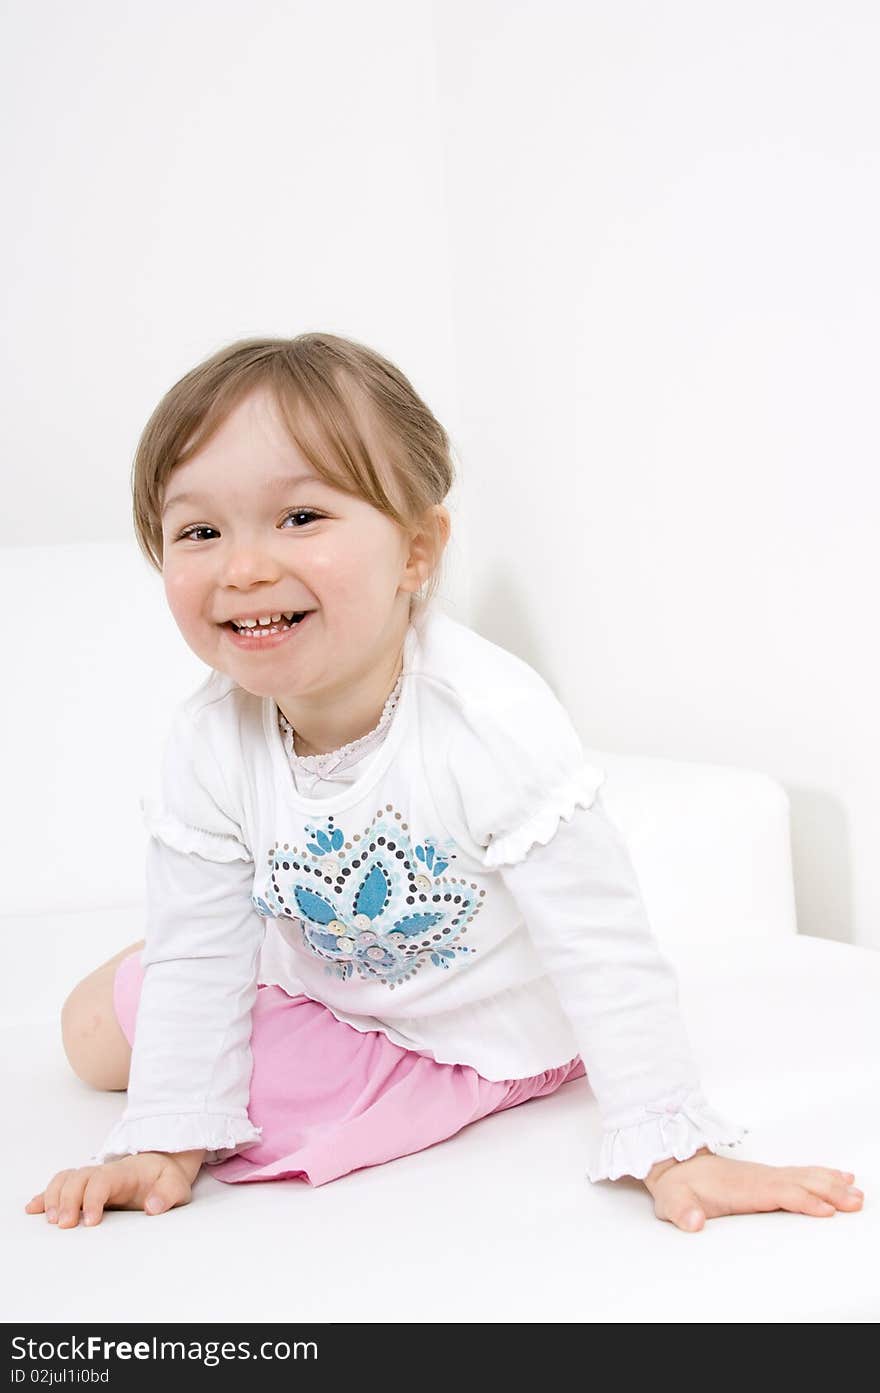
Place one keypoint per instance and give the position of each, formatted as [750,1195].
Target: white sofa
[498,1223]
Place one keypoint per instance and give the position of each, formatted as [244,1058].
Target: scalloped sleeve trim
[211,846]
[578,791]
[677,1127]
[220,1135]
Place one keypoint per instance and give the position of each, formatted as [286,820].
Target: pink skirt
[331,1099]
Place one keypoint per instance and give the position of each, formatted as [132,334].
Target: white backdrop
[625,250]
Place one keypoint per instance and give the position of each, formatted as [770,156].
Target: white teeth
[267,622]
[255,623]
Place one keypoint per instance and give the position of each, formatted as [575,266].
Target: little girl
[384,896]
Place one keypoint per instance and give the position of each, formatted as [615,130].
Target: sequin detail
[376,905]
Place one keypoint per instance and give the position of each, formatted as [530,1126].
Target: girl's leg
[95,1046]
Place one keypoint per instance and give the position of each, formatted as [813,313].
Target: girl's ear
[427,544]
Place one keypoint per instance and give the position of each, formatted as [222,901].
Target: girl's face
[259,533]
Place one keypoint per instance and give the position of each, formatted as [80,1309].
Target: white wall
[665,221]
[187,172]
[625,250]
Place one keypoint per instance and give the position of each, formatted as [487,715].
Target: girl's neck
[328,736]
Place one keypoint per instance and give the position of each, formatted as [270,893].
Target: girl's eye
[189,532]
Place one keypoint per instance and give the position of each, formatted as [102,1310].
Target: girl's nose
[250,566]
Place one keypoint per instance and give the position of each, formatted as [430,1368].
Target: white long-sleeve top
[452,879]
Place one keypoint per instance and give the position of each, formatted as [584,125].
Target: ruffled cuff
[676,1126]
[578,791]
[169,829]
[220,1134]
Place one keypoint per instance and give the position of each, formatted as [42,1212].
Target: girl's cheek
[183,609]
[328,565]
[178,589]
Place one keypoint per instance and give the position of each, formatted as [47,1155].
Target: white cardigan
[454,882]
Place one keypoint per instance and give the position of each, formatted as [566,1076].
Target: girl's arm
[191,1063]
[190,1162]
[517,789]
[580,898]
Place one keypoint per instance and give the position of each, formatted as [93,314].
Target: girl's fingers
[833,1186]
[812,1204]
[823,1200]
[97,1192]
[838,1193]
[122,1184]
[52,1195]
[70,1198]
[807,1175]
[167,1190]
[684,1209]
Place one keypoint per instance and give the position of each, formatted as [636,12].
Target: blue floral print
[376,905]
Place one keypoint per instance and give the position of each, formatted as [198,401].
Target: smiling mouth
[257,631]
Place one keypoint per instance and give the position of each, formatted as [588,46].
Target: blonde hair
[318,381]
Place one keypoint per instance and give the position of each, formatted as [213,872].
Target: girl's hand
[131,1182]
[706,1186]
